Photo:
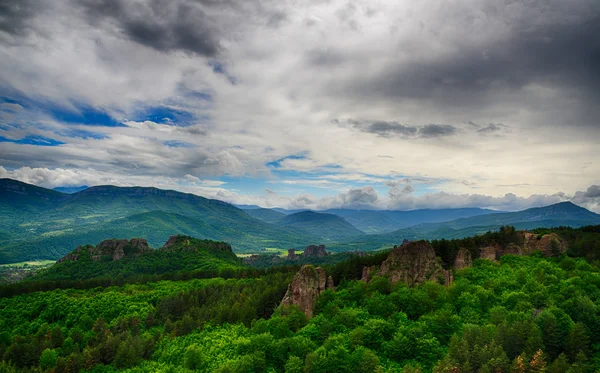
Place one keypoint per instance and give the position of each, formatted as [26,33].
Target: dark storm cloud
[389,129]
[14,15]
[558,49]
[163,25]
[436,130]
[491,128]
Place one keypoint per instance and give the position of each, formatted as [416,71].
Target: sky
[307,104]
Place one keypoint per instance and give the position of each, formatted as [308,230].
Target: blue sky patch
[33,140]
[86,115]
[165,115]
[178,144]
[277,163]
[82,134]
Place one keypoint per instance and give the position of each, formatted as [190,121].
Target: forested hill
[122,259]
[324,226]
[38,223]
[538,312]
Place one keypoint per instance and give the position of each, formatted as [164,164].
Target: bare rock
[549,244]
[251,259]
[330,284]
[305,288]
[490,252]
[315,251]
[513,249]
[114,249]
[292,254]
[367,273]
[413,263]
[463,259]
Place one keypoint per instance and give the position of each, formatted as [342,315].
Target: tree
[559,365]
[294,365]
[578,341]
[193,358]
[537,363]
[48,359]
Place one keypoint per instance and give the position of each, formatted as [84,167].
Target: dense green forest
[522,314]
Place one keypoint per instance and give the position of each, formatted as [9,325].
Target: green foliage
[524,314]
[38,223]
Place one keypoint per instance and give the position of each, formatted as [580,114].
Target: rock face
[463,259]
[315,251]
[292,254]
[113,249]
[512,249]
[305,288]
[367,273]
[414,263]
[490,252]
[549,244]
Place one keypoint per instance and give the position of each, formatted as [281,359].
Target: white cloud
[420,64]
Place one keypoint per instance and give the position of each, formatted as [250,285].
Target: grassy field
[31,263]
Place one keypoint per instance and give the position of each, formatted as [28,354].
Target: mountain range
[39,223]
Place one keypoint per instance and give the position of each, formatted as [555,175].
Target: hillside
[560,214]
[381,221]
[325,226]
[44,224]
[396,311]
[266,215]
[120,259]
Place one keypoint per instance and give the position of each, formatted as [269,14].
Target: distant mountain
[560,214]
[268,215]
[70,190]
[326,226]
[39,223]
[381,221]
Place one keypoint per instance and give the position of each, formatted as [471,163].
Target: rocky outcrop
[414,263]
[315,251]
[463,259]
[330,284]
[367,273]
[490,252]
[512,249]
[549,244]
[292,254]
[305,288]
[113,249]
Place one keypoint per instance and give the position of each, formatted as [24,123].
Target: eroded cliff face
[414,263]
[315,251]
[549,244]
[490,252]
[463,259]
[113,249]
[305,288]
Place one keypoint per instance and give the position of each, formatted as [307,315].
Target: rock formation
[490,252]
[463,259]
[414,263]
[315,251]
[305,288]
[330,284]
[292,254]
[512,249]
[367,273]
[113,249]
[549,244]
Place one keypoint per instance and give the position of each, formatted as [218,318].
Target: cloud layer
[325,103]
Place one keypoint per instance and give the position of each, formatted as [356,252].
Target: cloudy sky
[307,104]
